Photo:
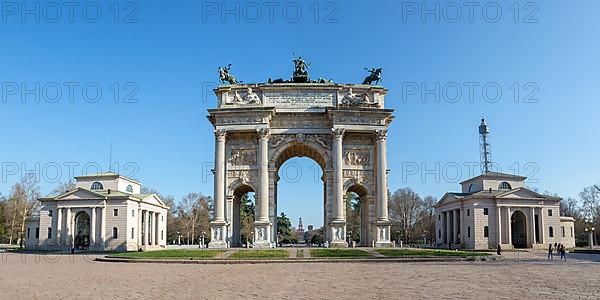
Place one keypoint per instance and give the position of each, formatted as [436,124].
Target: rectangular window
[49,232]
[485,211]
[133,213]
[439,217]
[116,212]
[571,231]
[28,230]
[132,233]
[486,231]
[115,233]
[37,232]
[468,212]
[549,213]
[469,232]
[50,213]
[563,231]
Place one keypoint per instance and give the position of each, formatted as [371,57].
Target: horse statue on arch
[375,76]
[225,76]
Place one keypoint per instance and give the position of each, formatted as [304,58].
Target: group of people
[560,249]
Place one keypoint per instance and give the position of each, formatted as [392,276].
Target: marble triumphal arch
[342,127]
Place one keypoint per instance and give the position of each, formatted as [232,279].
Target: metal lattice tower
[484,147]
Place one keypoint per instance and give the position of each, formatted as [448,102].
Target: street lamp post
[591,236]
[178,238]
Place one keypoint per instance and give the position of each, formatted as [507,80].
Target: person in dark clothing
[563,252]
[499,250]
[550,254]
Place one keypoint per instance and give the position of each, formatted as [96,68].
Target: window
[486,231]
[50,213]
[504,186]
[551,232]
[49,232]
[439,217]
[132,233]
[96,186]
[485,211]
[116,212]
[468,212]
[440,233]
[28,230]
[115,233]
[471,187]
[129,188]
[162,218]
[469,232]
[571,231]
[133,212]
[549,213]
[161,235]
[37,232]
[563,231]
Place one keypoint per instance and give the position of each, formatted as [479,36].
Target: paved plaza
[519,275]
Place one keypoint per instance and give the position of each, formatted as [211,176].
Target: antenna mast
[110,159]
[484,145]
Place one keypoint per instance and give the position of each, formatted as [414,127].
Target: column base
[262,235]
[338,234]
[218,233]
[383,234]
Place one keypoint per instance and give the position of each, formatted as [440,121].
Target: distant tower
[300,225]
[484,145]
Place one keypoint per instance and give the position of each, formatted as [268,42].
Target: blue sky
[163,56]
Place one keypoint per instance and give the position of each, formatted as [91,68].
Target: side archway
[518,229]
[242,208]
[358,209]
[82,230]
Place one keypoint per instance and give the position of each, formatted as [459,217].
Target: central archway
[289,152]
[519,229]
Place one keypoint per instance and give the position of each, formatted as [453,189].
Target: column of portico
[103,225]
[454,226]
[448,226]
[542,227]
[68,229]
[156,229]
[139,227]
[499,226]
[150,231]
[146,216]
[93,228]
[59,212]
[509,221]
[532,217]
[218,225]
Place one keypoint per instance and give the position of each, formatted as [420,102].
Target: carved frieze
[357,157]
[244,176]
[241,157]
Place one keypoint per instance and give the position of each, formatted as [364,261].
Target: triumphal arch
[342,127]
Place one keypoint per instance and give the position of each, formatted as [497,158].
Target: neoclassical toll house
[496,208]
[105,212]
[342,127]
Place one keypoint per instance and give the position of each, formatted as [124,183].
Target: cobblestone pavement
[523,276]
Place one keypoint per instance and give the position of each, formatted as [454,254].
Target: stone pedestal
[218,232]
[383,235]
[262,235]
[338,234]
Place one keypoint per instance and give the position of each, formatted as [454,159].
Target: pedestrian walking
[550,250]
[563,252]
[499,250]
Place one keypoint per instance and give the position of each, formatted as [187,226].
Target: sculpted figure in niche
[251,97]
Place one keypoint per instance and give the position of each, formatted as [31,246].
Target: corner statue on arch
[342,127]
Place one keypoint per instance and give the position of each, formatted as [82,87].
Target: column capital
[263,133]
[220,134]
[338,133]
[380,135]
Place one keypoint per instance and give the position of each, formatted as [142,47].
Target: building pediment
[522,193]
[154,200]
[79,194]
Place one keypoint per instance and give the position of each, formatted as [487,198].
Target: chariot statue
[375,76]
[225,76]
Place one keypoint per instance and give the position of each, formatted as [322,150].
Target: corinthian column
[382,203]
[263,140]
[220,175]
[338,184]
